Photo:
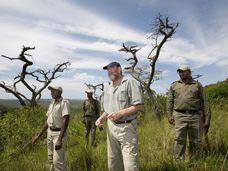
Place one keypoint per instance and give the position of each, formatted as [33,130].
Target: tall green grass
[155,143]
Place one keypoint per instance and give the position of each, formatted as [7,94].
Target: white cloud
[58,28]
[53,46]
[56,46]
[84,77]
[92,63]
[179,50]
[6,67]
[74,19]
[44,25]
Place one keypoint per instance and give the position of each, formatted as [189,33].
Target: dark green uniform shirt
[188,96]
[91,108]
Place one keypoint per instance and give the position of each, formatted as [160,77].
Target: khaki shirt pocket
[123,96]
[194,92]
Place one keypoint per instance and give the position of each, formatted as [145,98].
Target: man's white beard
[112,77]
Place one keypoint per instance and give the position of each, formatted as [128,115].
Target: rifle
[21,148]
[205,130]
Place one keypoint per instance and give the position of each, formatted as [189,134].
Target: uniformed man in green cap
[189,111]
[91,113]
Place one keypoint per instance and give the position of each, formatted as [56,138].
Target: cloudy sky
[88,33]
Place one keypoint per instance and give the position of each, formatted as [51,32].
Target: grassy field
[155,143]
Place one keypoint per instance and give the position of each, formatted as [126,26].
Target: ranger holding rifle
[56,126]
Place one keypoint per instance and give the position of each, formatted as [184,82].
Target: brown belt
[89,116]
[55,129]
[122,122]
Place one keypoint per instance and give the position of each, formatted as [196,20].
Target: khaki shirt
[188,96]
[56,111]
[126,94]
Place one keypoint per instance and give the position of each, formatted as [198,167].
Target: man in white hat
[91,113]
[188,111]
[56,127]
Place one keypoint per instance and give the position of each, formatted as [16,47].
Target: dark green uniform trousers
[187,125]
[90,127]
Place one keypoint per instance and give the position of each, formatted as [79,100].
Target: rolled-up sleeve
[65,108]
[135,92]
[102,102]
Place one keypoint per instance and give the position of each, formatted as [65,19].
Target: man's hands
[171,120]
[38,135]
[112,116]
[125,112]
[118,114]
[100,121]
[115,115]
[58,144]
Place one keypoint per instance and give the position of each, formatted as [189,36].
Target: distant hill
[218,90]
[12,103]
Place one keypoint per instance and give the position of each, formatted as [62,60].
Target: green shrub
[155,143]
[218,90]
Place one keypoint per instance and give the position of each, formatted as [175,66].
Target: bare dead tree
[162,32]
[40,75]
[95,87]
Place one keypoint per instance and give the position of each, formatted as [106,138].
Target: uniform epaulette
[196,81]
[65,100]
[175,82]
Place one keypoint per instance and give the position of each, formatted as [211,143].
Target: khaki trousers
[122,146]
[56,158]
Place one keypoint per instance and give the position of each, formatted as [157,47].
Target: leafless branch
[133,50]
[95,87]
[40,75]
[162,32]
